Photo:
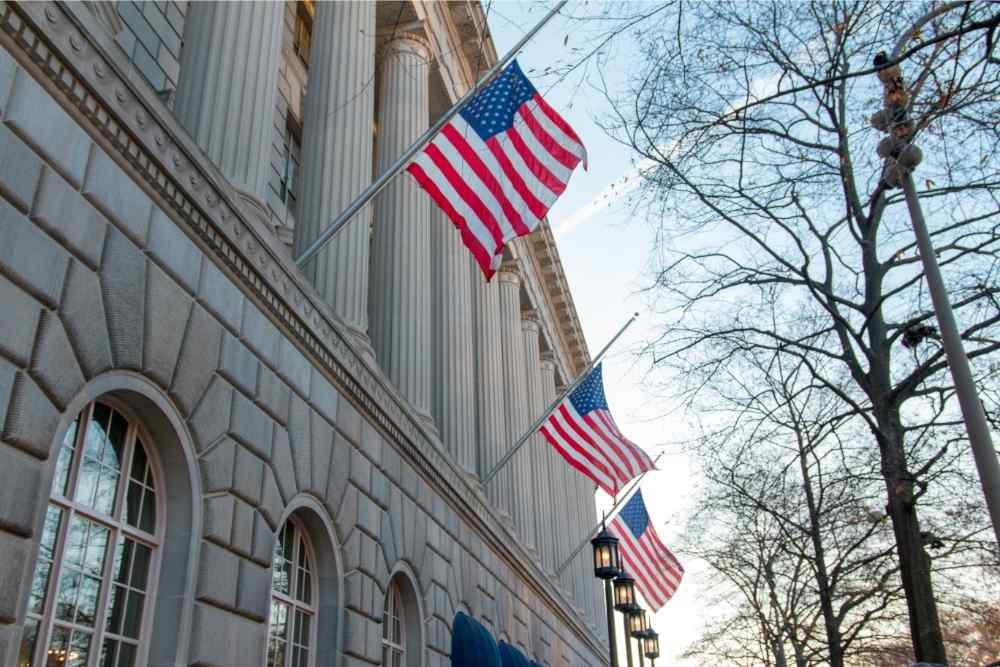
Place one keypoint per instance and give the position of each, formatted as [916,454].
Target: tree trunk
[914,565]
[832,626]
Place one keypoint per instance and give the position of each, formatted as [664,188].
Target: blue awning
[472,645]
[510,656]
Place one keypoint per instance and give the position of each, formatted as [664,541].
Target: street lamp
[638,626]
[626,604]
[607,565]
[625,594]
[902,157]
[651,645]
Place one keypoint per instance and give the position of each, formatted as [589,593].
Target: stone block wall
[101,284]
[150,36]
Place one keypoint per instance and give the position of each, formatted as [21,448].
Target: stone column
[539,500]
[228,87]
[400,289]
[491,399]
[337,137]
[453,393]
[516,386]
[564,508]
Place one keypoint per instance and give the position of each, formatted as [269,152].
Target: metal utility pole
[901,158]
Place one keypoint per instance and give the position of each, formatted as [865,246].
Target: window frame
[118,528]
[313,608]
[394,603]
[305,19]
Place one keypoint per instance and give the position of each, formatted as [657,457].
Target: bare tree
[760,174]
[787,517]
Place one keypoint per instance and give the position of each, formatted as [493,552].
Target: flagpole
[431,132]
[545,415]
[625,496]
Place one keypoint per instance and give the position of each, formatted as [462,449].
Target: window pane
[116,436]
[65,459]
[279,620]
[86,485]
[97,431]
[86,606]
[123,559]
[287,542]
[280,568]
[138,462]
[116,605]
[107,489]
[132,500]
[58,648]
[140,568]
[36,601]
[28,638]
[126,655]
[306,594]
[79,649]
[133,615]
[97,547]
[77,543]
[147,519]
[69,590]
[53,517]
[108,653]
[302,631]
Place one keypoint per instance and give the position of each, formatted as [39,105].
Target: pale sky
[604,253]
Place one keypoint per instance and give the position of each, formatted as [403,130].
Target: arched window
[393,629]
[99,554]
[294,603]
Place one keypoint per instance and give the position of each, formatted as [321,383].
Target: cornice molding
[63,48]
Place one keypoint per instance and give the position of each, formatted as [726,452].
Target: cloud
[602,201]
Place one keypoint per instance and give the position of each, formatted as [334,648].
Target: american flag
[656,571]
[584,433]
[498,166]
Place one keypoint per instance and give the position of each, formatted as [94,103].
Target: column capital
[529,317]
[548,361]
[405,43]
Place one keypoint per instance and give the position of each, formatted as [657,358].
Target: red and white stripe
[594,446]
[496,190]
[656,570]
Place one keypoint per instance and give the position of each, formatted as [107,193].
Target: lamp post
[902,157]
[607,565]
[651,646]
[626,604]
[638,626]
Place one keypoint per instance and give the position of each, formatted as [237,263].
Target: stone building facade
[211,457]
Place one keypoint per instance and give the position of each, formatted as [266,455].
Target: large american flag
[656,571]
[498,166]
[584,433]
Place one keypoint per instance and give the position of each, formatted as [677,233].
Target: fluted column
[399,294]
[564,507]
[453,395]
[491,399]
[516,386]
[538,499]
[228,87]
[337,155]
[587,520]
